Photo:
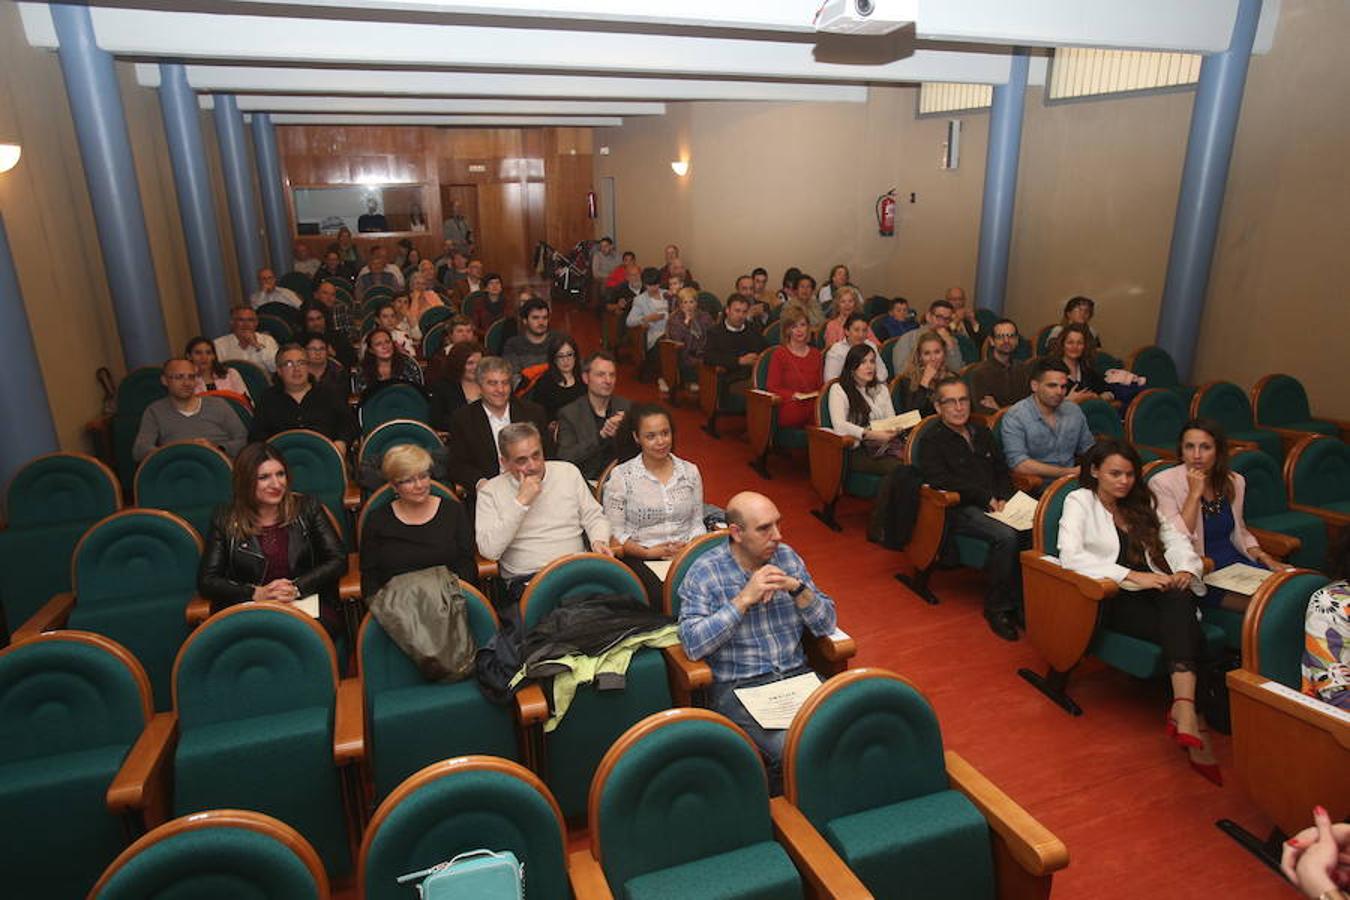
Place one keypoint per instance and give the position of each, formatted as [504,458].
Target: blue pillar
[1000,185]
[274,202]
[110,172]
[196,208]
[23,402]
[239,191]
[1209,148]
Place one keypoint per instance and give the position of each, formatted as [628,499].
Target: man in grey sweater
[185,416]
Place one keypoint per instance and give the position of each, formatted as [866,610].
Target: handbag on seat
[475,875]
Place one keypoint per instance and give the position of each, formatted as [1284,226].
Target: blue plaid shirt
[768,637]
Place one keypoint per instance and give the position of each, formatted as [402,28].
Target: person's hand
[996,505]
[1179,581]
[760,588]
[1149,580]
[602,547]
[885,435]
[1195,481]
[1317,859]
[930,374]
[530,486]
[281,590]
[989,403]
[611,426]
[746,359]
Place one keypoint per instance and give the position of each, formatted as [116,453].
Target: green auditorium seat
[761,419]
[1062,609]
[255,377]
[186,478]
[434,338]
[1280,403]
[297,283]
[138,389]
[317,468]
[713,398]
[1317,477]
[1227,404]
[262,725]
[680,808]
[864,766]
[50,503]
[220,854]
[393,433]
[72,705]
[277,327]
[595,718]
[460,805]
[1153,421]
[396,401]
[709,303]
[1266,506]
[133,577]
[433,316]
[1156,364]
[828,455]
[1283,742]
[495,338]
[411,722]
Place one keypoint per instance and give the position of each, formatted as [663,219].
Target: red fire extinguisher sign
[886,214]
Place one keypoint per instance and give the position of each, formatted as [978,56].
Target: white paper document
[660,567]
[773,705]
[1019,512]
[1239,578]
[902,422]
[308,605]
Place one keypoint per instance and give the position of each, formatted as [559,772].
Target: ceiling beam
[428,106]
[244,79]
[472,121]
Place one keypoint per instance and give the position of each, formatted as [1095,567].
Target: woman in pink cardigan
[1202,498]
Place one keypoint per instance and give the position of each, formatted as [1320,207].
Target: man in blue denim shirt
[1042,435]
[743,606]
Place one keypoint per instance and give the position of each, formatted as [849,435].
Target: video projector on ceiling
[865,16]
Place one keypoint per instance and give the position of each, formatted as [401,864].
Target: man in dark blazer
[593,430]
[473,427]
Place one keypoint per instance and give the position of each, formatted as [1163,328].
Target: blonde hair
[914,368]
[792,315]
[404,461]
[847,290]
[686,293]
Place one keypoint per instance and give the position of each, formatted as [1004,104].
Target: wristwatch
[797,592]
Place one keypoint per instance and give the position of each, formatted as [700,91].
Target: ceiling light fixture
[9,156]
[680,167]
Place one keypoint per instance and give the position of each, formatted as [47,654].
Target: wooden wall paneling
[501,211]
[568,178]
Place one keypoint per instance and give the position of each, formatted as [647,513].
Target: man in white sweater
[535,511]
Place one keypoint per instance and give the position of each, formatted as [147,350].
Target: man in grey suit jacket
[593,430]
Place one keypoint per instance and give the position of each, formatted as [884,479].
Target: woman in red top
[795,371]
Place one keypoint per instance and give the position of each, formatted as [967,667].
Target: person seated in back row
[899,321]
[592,432]
[855,331]
[733,345]
[1043,435]
[916,382]
[528,348]
[474,451]
[295,401]
[999,380]
[185,415]
[938,321]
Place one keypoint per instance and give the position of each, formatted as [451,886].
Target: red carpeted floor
[1137,821]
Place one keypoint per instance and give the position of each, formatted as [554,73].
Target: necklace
[1211,507]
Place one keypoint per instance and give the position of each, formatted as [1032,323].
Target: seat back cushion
[682,565]
[578,578]
[1282,401]
[1053,504]
[60,488]
[1227,404]
[1279,638]
[1322,474]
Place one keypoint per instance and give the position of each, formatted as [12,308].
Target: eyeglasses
[292,364]
[412,479]
[954,401]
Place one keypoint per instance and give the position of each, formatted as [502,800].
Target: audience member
[245,342]
[654,501]
[591,429]
[377,273]
[490,305]
[1326,627]
[294,401]
[788,291]
[212,375]
[393,322]
[409,259]
[829,291]
[455,382]
[1078,311]
[847,301]
[856,331]
[690,326]
[795,370]
[535,511]
[1109,529]
[964,320]
[474,452]
[743,606]
[605,258]
[269,292]
[303,261]
[270,544]
[677,273]
[649,311]
[939,322]
[899,321]
[457,229]
[1076,348]
[334,267]
[384,364]
[733,345]
[323,369]
[421,296]
[561,383]
[1317,859]
[347,248]
[620,274]
[1202,498]
[961,457]
[804,298]
[372,220]
[528,348]
[674,265]
[185,415]
[339,314]
[461,332]
[1000,380]
[856,400]
[471,282]
[926,368]
[427,269]
[759,280]
[417,529]
[1042,435]
[315,319]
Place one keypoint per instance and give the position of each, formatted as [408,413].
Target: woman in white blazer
[1110,529]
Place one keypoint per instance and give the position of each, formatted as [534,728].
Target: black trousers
[1004,567]
[1165,618]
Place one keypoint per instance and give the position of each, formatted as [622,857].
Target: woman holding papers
[857,400]
[1202,499]
[270,544]
[654,501]
[795,371]
[1110,529]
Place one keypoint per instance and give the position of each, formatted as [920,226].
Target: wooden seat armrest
[586,876]
[349,723]
[349,585]
[834,647]
[141,785]
[825,873]
[351,497]
[198,611]
[443,435]
[1330,516]
[940,497]
[1237,446]
[1028,483]
[1089,588]
[686,675]
[1031,844]
[825,435]
[531,705]
[763,396]
[487,568]
[50,616]
[1307,709]
[1280,546]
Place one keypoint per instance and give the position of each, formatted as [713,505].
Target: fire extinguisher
[590,204]
[886,214]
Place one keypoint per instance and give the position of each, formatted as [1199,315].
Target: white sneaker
[662,386]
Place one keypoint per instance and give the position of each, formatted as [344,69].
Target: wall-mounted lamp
[9,156]
[680,167]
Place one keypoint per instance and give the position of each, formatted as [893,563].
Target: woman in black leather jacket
[270,544]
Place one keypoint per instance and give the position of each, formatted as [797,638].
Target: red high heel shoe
[1186,741]
[1209,771]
